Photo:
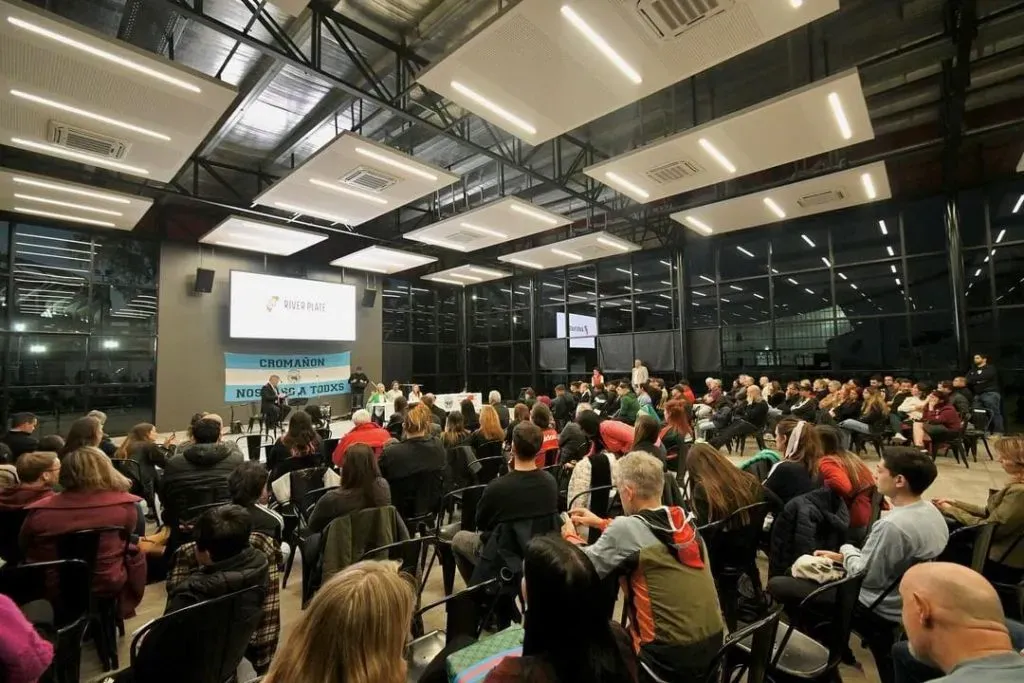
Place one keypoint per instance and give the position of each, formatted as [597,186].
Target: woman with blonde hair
[94,495]
[874,414]
[354,630]
[490,428]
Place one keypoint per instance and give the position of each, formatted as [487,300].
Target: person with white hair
[494,399]
[677,626]
[364,430]
[106,445]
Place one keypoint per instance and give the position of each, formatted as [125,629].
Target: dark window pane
[977,275]
[395,295]
[799,245]
[126,405]
[924,227]
[37,359]
[55,406]
[870,290]
[581,282]
[872,344]
[547,321]
[747,346]
[520,287]
[521,326]
[121,360]
[972,219]
[521,357]
[803,340]
[500,358]
[448,316]
[614,276]
[424,327]
[700,261]
[743,302]
[480,329]
[653,270]
[702,309]
[616,316]
[395,325]
[5,233]
[424,359]
[932,343]
[928,279]
[550,288]
[124,308]
[655,311]
[802,293]
[478,360]
[864,234]
[57,255]
[45,303]
[1008,262]
[126,261]
[500,324]
[743,255]
[981,334]
[1007,224]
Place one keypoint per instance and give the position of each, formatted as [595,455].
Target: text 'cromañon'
[300,305]
[289,363]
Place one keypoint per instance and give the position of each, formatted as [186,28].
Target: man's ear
[923,608]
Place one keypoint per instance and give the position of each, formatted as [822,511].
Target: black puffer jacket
[818,520]
[244,570]
[201,466]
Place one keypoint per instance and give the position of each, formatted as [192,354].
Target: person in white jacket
[640,375]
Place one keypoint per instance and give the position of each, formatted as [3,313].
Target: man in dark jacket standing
[20,439]
[206,464]
[563,407]
[228,563]
[984,382]
[357,382]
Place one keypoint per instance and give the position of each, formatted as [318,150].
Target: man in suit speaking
[272,402]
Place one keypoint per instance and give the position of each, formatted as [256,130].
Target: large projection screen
[582,330]
[272,307]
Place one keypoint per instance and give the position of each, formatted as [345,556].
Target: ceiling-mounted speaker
[369,297]
[204,281]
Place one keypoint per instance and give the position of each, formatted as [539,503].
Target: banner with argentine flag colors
[302,375]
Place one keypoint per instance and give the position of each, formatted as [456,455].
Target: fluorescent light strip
[839,115]
[442,243]
[1002,234]
[775,208]
[699,224]
[471,278]
[78,156]
[626,185]
[808,290]
[853,286]
[89,115]
[334,187]
[977,272]
[578,296]
[792,281]
[533,213]
[601,44]
[390,161]
[893,268]
[486,271]
[250,247]
[484,231]
[67,205]
[889,249]
[103,54]
[64,217]
[796,4]
[60,239]
[493,108]
[826,262]
[699,293]
[612,243]
[881,226]
[447,282]
[745,251]
[526,264]
[706,279]
[807,239]
[1020,202]
[758,296]
[869,185]
[716,155]
[566,254]
[70,190]
[737,288]
[33,245]
[38,253]
[314,213]
[842,276]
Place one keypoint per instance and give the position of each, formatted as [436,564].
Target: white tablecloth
[446,402]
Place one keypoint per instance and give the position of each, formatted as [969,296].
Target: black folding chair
[253,444]
[467,499]
[202,643]
[133,472]
[324,433]
[412,553]
[10,530]
[327,447]
[65,585]
[418,499]
[969,546]
[732,549]
[977,430]
[302,482]
[752,665]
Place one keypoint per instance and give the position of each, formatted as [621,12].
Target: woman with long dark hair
[455,433]
[645,437]
[718,488]
[567,635]
[520,413]
[361,487]
[297,449]
[469,416]
[85,432]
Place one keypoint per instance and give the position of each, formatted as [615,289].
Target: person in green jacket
[378,395]
[629,405]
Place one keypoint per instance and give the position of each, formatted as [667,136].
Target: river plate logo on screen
[294,376]
[272,303]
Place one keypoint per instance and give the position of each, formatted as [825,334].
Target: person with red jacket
[365,431]
[94,495]
[540,415]
[939,421]
[847,475]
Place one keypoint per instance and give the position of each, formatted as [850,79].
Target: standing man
[272,401]
[357,382]
[21,439]
[640,375]
[984,382]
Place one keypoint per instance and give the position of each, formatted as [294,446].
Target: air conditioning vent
[366,178]
[674,171]
[669,19]
[821,198]
[87,141]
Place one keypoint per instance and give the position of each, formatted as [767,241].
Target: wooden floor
[954,482]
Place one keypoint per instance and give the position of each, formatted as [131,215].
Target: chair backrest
[412,553]
[310,499]
[65,584]
[603,512]
[470,499]
[969,546]
[324,433]
[491,467]
[193,513]
[327,447]
[133,471]
[877,501]
[837,635]
[213,634]
[732,541]
[981,419]
[253,442]
[761,637]
[84,544]
[466,610]
[303,481]
[10,529]
[179,500]
[418,496]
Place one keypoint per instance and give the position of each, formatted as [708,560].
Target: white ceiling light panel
[382,260]
[808,197]
[467,275]
[353,180]
[545,67]
[46,198]
[793,126]
[235,232]
[596,245]
[507,219]
[68,92]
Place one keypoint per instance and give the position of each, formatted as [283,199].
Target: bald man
[954,621]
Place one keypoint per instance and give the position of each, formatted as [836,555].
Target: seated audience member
[1005,508]
[874,414]
[573,443]
[298,449]
[611,404]
[797,473]
[248,488]
[642,395]
[914,531]
[494,400]
[94,495]
[677,430]
[354,629]
[540,415]
[675,620]
[586,395]
[717,488]
[902,391]
[954,621]
[847,475]
[687,391]
[748,419]
[38,473]
[364,431]
[563,408]
[361,487]
[437,413]
[719,417]
[490,428]
[956,399]
[960,387]
[208,462]
[525,492]
[21,436]
[394,425]
[141,446]
[628,406]
[520,413]
[645,437]
[84,432]
[394,392]
[415,395]
[940,423]
[469,416]
[25,655]
[51,443]
[183,446]
[419,452]
[546,400]
[595,468]
[820,388]
[784,407]
[911,408]
[837,394]
[454,433]
[529,397]
[567,635]
[806,407]
[106,445]
[228,563]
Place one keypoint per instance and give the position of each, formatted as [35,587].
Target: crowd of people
[604,486]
